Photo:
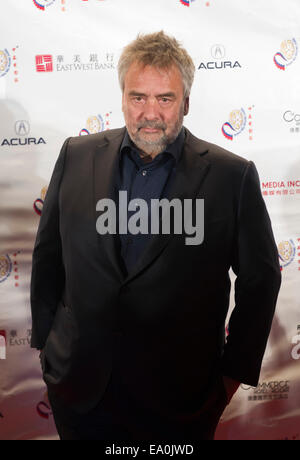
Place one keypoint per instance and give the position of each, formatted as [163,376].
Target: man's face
[154,106]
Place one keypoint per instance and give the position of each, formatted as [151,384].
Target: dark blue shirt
[147,179]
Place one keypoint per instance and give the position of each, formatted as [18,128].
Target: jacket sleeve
[47,277]
[258,278]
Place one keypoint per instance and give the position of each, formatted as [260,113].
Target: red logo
[2,345]
[44,63]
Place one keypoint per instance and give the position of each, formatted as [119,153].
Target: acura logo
[22,128]
[217,51]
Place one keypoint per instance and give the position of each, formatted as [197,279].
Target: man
[131,325]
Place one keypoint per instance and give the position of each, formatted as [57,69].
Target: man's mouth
[151,130]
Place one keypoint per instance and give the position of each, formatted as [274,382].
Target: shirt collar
[175,149]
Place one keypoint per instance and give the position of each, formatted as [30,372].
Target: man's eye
[165,100]
[138,99]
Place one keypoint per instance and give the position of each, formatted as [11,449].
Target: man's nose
[151,110]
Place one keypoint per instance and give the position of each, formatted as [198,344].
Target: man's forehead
[138,71]
[138,66]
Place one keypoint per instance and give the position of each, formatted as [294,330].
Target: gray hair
[157,50]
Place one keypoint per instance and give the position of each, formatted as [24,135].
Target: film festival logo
[8,265]
[295,353]
[288,251]
[43,4]
[5,267]
[46,63]
[218,54]
[160,217]
[287,54]
[43,408]
[96,124]
[7,62]
[189,3]
[22,130]
[39,202]
[237,122]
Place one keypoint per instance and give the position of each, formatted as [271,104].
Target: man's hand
[231,387]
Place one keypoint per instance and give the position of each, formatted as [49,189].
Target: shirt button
[144,173]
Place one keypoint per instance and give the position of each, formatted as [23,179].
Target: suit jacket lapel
[106,162]
[190,173]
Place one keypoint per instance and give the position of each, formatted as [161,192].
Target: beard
[155,146]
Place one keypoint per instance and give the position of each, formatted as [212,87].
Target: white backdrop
[58,78]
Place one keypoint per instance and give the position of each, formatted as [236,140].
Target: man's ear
[186,105]
[123,101]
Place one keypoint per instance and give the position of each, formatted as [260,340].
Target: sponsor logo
[92,62]
[22,130]
[293,120]
[287,54]
[281,188]
[2,344]
[13,340]
[43,4]
[218,54]
[19,340]
[266,391]
[44,63]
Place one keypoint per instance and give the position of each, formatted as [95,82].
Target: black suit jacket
[160,329]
